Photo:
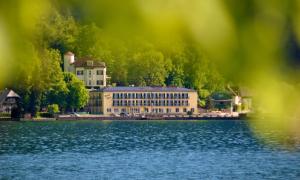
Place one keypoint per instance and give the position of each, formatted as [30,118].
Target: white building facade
[92,72]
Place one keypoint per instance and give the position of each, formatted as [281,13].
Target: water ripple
[140,150]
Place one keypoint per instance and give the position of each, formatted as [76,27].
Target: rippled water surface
[140,150]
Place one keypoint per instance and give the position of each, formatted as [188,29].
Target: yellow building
[149,100]
[92,72]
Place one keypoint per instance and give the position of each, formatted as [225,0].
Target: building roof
[146,89]
[83,62]
[69,53]
[7,94]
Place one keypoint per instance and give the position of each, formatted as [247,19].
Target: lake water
[140,150]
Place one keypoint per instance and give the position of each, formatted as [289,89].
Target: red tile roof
[82,62]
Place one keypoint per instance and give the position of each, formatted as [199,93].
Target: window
[99,72]
[182,103]
[177,110]
[193,110]
[186,103]
[89,63]
[184,109]
[90,82]
[79,72]
[116,110]
[90,73]
[108,109]
[169,110]
[152,103]
[171,103]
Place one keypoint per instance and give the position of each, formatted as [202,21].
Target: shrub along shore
[149,117]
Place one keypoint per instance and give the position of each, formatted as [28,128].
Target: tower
[69,58]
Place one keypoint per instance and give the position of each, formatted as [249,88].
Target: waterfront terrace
[149,100]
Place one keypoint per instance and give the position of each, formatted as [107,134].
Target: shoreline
[112,118]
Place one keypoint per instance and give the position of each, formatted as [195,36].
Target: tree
[176,77]
[149,68]
[77,96]
[57,31]
[222,95]
[53,75]
[53,109]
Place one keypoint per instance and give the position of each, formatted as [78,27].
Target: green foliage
[137,60]
[77,96]
[202,103]
[238,108]
[222,95]
[57,89]
[4,114]
[149,69]
[176,76]
[45,115]
[57,31]
[53,108]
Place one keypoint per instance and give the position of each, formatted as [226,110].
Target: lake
[141,150]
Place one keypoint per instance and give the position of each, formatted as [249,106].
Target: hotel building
[148,100]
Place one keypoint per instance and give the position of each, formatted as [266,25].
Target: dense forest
[134,61]
[203,45]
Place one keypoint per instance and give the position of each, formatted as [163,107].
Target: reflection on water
[134,150]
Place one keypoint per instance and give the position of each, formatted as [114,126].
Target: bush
[45,115]
[53,109]
[238,108]
[202,103]
[4,114]
[189,113]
